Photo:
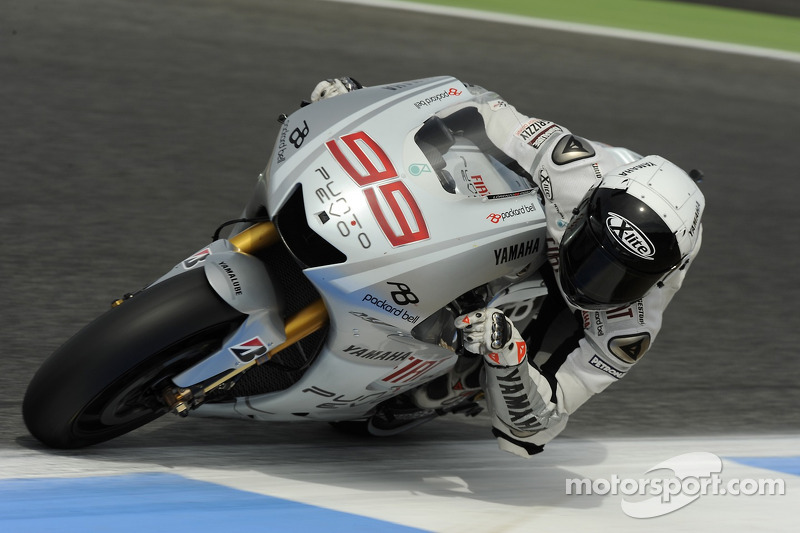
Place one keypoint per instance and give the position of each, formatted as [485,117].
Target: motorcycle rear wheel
[106,380]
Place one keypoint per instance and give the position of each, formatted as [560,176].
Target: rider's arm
[525,139]
[531,405]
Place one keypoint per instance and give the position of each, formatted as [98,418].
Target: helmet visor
[590,276]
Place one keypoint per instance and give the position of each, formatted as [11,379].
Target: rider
[622,230]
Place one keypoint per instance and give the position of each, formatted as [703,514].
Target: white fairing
[414,239]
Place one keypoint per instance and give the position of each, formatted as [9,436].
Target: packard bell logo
[629,236]
[249,350]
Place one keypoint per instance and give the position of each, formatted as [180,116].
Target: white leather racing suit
[529,406]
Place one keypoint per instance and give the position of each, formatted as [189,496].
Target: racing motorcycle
[382,215]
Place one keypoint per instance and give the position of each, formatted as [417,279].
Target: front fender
[242,281]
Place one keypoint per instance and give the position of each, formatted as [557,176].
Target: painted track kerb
[574,27]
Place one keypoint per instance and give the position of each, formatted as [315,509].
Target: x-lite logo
[629,236]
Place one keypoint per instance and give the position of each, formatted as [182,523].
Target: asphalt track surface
[775,7]
[130,129]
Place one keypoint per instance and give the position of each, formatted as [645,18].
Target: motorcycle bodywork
[391,229]
[383,214]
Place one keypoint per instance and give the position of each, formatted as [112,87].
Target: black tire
[104,381]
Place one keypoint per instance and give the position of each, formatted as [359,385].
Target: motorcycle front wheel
[107,380]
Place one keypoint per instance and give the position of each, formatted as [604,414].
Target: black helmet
[628,233]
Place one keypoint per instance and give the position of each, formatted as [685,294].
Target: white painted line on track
[575,27]
[434,486]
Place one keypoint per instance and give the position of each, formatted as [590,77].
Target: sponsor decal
[372,320]
[620,313]
[552,254]
[234,280]
[480,186]
[295,138]
[437,97]
[634,168]
[299,135]
[597,174]
[336,401]
[696,218]
[517,402]
[536,131]
[496,218]
[509,194]
[626,312]
[531,128]
[630,348]
[494,105]
[598,363]
[571,148]
[377,355]
[391,199]
[411,370]
[599,324]
[193,260]
[629,236]
[515,251]
[539,140]
[249,350]
[544,183]
[403,295]
[418,168]
[522,350]
[280,152]
[385,306]
[336,205]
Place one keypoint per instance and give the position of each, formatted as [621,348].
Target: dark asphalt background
[773,7]
[131,128]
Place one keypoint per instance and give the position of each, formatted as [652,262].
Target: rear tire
[106,380]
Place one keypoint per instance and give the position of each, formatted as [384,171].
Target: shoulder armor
[629,348]
[571,148]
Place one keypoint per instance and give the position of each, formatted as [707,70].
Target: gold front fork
[256,237]
[297,327]
[308,320]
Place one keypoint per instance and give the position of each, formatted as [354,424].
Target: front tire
[106,380]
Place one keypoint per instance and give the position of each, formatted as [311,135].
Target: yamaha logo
[629,236]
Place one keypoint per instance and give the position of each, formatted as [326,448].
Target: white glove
[490,333]
[333,87]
